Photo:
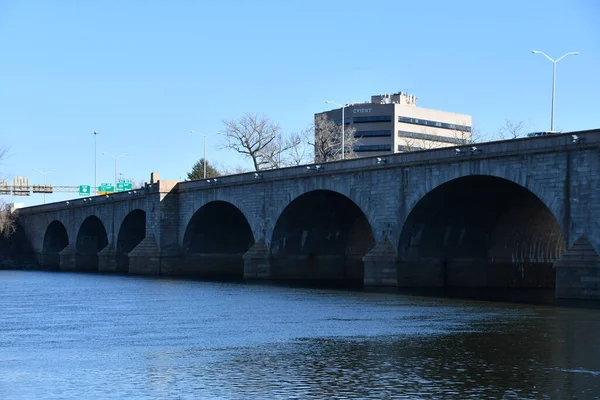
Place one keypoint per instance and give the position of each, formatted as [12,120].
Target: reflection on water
[76,336]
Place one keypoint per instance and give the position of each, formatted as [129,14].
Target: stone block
[578,272]
[257,262]
[381,266]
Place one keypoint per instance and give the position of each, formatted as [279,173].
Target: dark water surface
[66,335]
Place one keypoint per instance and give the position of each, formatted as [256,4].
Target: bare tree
[511,129]
[408,144]
[302,153]
[238,169]
[328,138]
[278,153]
[8,220]
[464,136]
[476,135]
[251,135]
[424,142]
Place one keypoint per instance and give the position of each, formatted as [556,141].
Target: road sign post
[123,186]
[84,190]
[106,188]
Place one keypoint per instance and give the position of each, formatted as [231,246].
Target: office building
[392,123]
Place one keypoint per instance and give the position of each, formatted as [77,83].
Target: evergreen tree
[197,171]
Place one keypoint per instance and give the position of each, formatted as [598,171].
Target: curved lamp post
[115,158]
[572,53]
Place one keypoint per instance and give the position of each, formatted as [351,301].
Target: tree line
[260,140]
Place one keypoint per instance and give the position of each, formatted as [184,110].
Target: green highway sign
[123,186]
[106,188]
[84,190]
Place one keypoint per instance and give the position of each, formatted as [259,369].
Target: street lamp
[343,123]
[44,173]
[572,53]
[95,163]
[205,135]
[115,158]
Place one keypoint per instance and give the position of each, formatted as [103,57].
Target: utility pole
[95,161]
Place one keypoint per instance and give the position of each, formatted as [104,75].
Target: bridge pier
[326,268]
[145,258]
[426,272]
[215,266]
[107,261]
[256,262]
[381,266]
[48,260]
[578,272]
[68,258]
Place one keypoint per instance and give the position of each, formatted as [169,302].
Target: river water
[69,335]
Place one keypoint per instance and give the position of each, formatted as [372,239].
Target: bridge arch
[131,232]
[540,189]
[321,235]
[215,239]
[56,239]
[91,238]
[480,230]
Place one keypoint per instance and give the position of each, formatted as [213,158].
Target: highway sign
[84,190]
[123,186]
[106,188]
[42,188]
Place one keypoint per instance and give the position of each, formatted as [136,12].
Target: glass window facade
[379,133]
[339,121]
[373,147]
[408,148]
[436,124]
[433,138]
[374,118]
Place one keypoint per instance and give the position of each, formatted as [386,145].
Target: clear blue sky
[143,73]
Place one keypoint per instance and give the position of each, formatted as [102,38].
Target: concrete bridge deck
[514,213]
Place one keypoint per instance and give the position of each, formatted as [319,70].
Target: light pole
[115,158]
[205,135]
[44,173]
[95,163]
[343,123]
[572,53]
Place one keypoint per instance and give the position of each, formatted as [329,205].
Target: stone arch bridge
[515,213]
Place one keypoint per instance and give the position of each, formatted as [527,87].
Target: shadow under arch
[480,231]
[321,235]
[215,239]
[131,232]
[56,239]
[91,238]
